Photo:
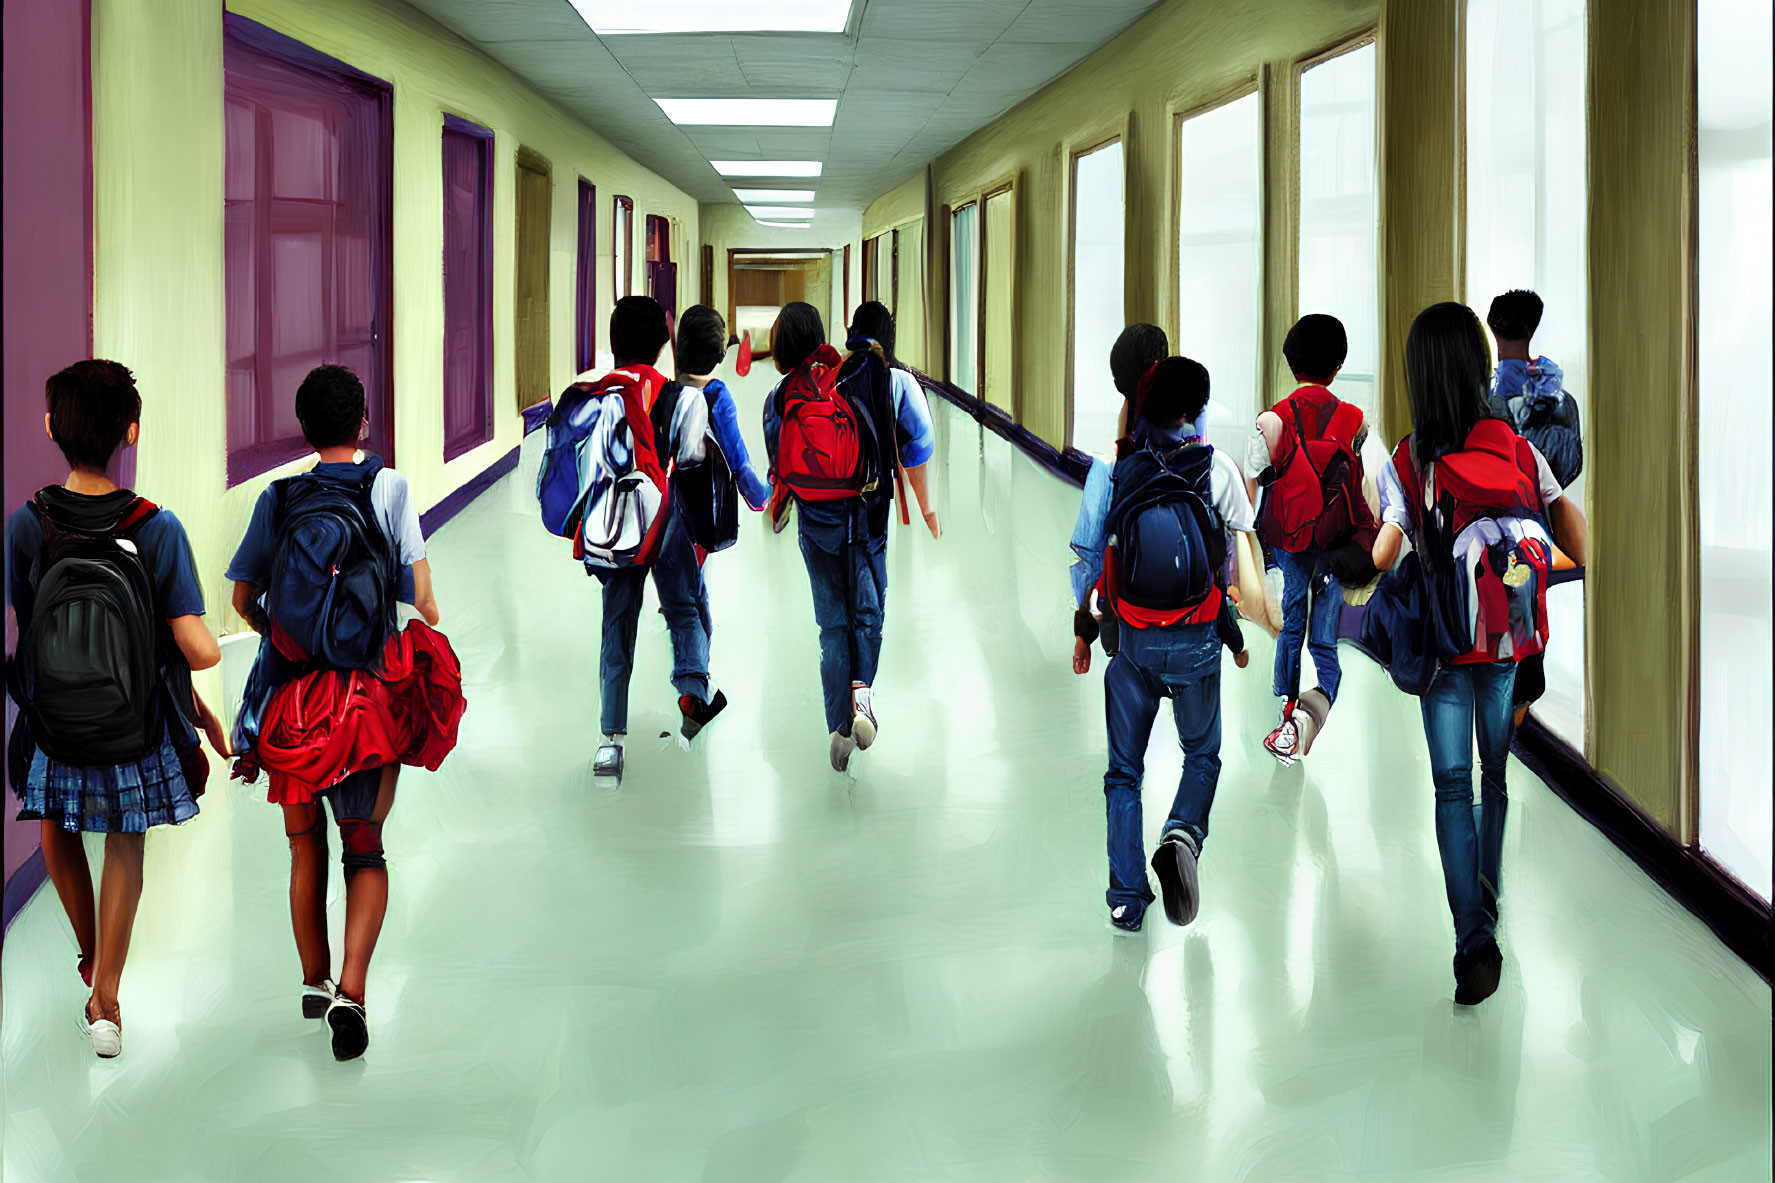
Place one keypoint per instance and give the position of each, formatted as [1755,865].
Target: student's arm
[423,599]
[1571,530]
[246,606]
[195,642]
[912,414]
[1385,551]
[726,420]
[211,726]
[1395,516]
[1250,575]
[919,479]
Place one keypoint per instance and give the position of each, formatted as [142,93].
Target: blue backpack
[333,575]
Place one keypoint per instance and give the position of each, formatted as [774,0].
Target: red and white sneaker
[1284,742]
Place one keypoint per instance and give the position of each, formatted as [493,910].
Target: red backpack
[1485,535]
[820,452]
[1313,485]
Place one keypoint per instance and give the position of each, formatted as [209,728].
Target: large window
[307,226]
[1733,459]
[1340,213]
[909,293]
[1219,257]
[468,286]
[1526,228]
[997,287]
[1097,226]
[964,296]
[585,303]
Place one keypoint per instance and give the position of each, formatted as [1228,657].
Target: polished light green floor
[743,966]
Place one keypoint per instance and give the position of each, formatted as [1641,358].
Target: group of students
[641,471]
[110,612]
[1173,534]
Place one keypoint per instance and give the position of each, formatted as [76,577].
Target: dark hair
[797,333]
[702,340]
[91,405]
[638,330]
[1515,315]
[1316,346]
[1133,355]
[1447,375]
[872,319]
[330,407]
[1175,393]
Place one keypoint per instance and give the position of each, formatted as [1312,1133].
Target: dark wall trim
[1070,465]
[1734,913]
[457,501]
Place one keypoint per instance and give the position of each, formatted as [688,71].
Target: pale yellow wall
[1180,56]
[158,285]
[897,205]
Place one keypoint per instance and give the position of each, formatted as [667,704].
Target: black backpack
[704,494]
[96,661]
[1168,540]
[331,599]
[1551,425]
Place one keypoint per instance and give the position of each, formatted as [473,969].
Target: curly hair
[330,406]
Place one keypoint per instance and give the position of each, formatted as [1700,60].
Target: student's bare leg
[64,856]
[305,827]
[366,888]
[120,889]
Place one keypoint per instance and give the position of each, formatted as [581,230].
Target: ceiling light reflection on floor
[749,112]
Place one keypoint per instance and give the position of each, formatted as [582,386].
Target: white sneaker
[106,1036]
[863,724]
[1284,742]
[842,747]
[316,999]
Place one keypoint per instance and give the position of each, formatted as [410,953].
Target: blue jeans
[1465,700]
[850,598]
[683,602]
[1310,608]
[1181,663]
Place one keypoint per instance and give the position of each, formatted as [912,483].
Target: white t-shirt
[392,498]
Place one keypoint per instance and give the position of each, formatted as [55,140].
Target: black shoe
[1476,975]
[351,1029]
[1127,917]
[1174,862]
[699,714]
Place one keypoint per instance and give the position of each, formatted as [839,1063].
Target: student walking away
[1529,393]
[606,483]
[705,511]
[1152,537]
[341,696]
[1467,605]
[839,432]
[1305,456]
[110,625]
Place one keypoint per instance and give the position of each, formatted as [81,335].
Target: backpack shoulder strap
[1411,481]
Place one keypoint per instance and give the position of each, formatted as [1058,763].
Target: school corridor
[739,965]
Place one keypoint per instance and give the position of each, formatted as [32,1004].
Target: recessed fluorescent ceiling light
[766,212]
[749,112]
[715,16]
[787,225]
[796,196]
[767,168]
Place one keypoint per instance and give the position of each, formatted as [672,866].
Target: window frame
[1006,188]
[483,432]
[622,247]
[585,330]
[975,203]
[1072,247]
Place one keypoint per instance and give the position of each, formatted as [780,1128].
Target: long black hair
[797,333]
[872,319]
[1447,374]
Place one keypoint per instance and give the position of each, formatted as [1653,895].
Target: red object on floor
[743,366]
[328,724]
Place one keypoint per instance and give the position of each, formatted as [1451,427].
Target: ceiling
[912,78]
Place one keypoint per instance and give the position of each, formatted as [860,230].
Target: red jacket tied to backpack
[1313,494]
[327,724]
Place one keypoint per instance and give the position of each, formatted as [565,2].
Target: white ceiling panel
[912,78]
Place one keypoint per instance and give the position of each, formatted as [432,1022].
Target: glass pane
[303,155]
[964,316]
[1097,228]
[1219,255]
[1526,228]
[909,316]
[995,345]
[1733,446]
[1340,213]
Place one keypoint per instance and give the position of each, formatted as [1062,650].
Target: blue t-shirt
[161,542]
